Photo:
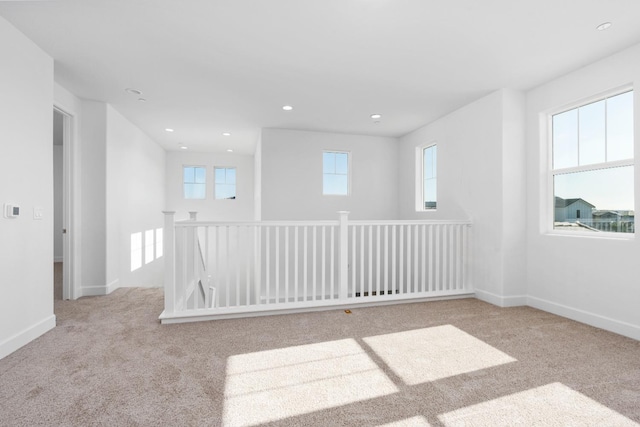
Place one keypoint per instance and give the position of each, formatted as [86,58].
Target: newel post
[344,254]
[169,248]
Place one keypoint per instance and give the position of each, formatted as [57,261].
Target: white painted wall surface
[593,280]
[57,203]
[135,200]
[209,209]
[93,208]
[292,176]
[26,171]
[473,183]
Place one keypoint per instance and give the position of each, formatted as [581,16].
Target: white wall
[93,208]
[209,209]
[26,171]
[593,280]
[476,182]
[292,176]
[135,200]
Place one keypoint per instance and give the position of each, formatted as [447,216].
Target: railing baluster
[377,260]
[276,266]
[332,263]
[437,266]
[431,254]
[324,267]
[393,259]
[416,259]
[267,265]
[315,262]
[247,295]
[386,259]
[305,281]
[238,252]
[353,261]
[362,287]
[445,252]
[227,266]
[401,261]
[409,256]
[423,259]
[286,264]
[296,282]
[370,260]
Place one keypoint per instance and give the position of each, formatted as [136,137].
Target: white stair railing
[216,269]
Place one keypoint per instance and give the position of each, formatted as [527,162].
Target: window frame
[549,227]
[215,184]
[184,195]
[420,169]
[348,174]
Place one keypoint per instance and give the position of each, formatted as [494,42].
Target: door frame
[70,205]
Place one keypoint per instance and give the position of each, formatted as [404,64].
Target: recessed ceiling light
[226,133]
[287,108]
[142,99]
[376,116]
[169,130]
[229,150]
[133,91]
[603,26]
[183,147]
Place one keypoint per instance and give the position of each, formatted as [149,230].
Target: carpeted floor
[450,363]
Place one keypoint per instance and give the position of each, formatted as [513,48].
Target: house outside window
[194,182]
[225,183]
[335,173]
[592,166]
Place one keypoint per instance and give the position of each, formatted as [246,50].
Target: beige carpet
[451,363]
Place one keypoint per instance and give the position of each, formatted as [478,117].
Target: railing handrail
[285,223]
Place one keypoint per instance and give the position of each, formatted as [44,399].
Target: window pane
[341,163]
[592,133]
[221,175]
[335,184]
[603,197]
[429,162]
[225,191]
[194,191]
[565,139]
[231,176]
[200,175]
[430,193]
[189,174]
[329,162]
[620,127]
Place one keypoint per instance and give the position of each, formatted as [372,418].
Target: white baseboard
[602,322]
[113,286]
[97,291]
[499,300]
[26,336]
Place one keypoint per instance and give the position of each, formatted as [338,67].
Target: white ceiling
[213,66]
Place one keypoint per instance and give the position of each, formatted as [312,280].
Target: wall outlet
[11,211]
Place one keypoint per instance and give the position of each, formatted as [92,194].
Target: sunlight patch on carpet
[277,384]
[418,421]
[430,354]
[549,405]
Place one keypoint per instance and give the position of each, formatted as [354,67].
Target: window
[335,173]
[592,166]
[194,179]
[429,177]
[225,187]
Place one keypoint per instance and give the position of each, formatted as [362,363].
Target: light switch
[38,213]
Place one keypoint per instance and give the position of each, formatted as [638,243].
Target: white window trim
[549,202]
[419,181]
[184,196]
[349,168]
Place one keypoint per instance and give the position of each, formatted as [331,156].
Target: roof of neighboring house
[563,203]
[603,213]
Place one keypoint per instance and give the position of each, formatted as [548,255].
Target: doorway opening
[62,206]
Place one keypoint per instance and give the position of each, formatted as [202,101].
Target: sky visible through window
[335,173]
[430,183]
[194,178]
[225,183]
[596,133]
